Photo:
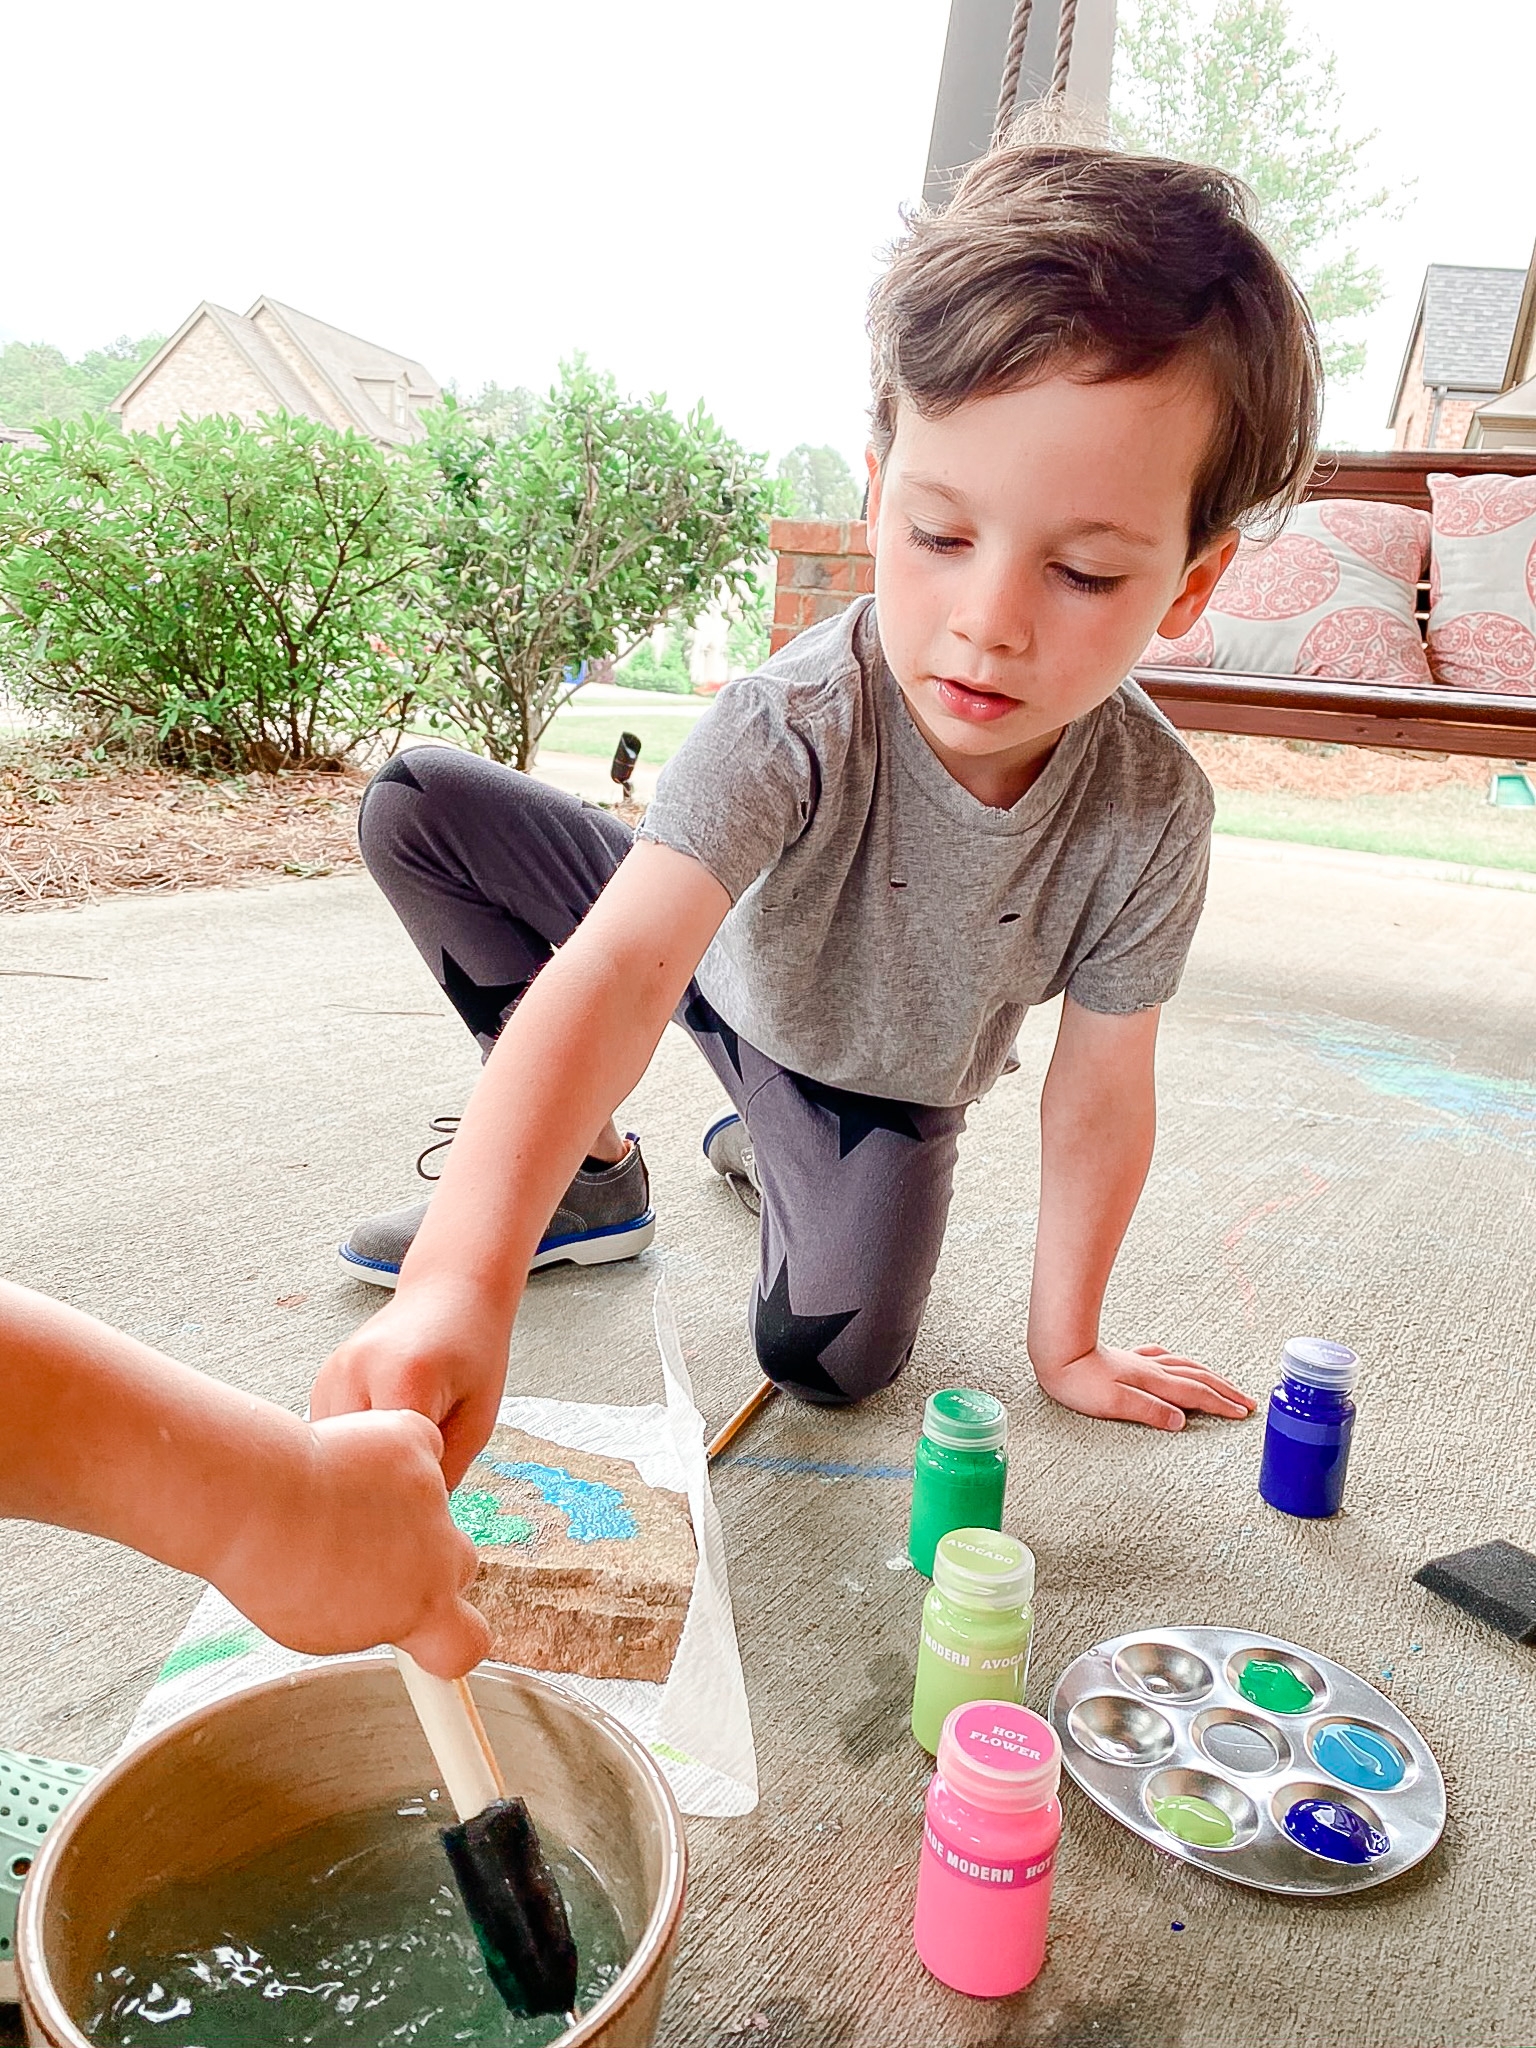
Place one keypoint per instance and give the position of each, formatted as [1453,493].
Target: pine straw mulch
[73,829]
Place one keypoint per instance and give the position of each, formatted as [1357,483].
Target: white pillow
[1482,586]
[1332,595]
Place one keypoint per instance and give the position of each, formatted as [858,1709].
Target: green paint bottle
[960,1470]
[977,1623]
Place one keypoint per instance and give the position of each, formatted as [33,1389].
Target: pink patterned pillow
[1482,589]
[1331,595]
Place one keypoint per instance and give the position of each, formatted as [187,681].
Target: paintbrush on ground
[509,1892]
[754,1405]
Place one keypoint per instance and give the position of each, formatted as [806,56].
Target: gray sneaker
[606,1215]
[728,1148]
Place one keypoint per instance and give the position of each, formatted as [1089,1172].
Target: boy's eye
[936,543]
[1077,579]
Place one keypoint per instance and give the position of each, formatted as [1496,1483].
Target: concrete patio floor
[1348,1129]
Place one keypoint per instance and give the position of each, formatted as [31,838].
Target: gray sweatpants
[489,871]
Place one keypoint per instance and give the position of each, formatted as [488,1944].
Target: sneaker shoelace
[448,1125]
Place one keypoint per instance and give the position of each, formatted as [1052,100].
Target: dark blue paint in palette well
[1329,1828]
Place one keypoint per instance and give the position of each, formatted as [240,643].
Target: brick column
[823,565]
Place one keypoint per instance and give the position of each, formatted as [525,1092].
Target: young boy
[920,819]
[329,1536]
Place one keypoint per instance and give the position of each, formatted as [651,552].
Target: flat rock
[583,1567]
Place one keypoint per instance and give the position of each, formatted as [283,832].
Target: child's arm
[575,1046]
[329,1537]
[1098,1119]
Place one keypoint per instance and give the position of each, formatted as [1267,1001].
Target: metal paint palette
[1256,1760]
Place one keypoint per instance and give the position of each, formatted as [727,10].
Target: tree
[574,538]
[38,382]
[818,484]
[502,409]
[234,597]
[1231,87]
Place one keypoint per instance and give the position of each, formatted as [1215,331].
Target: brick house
[1509,421]
[275,359]
[1458,353]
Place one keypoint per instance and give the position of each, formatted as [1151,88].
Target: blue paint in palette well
[1358,1756]
[594,1513]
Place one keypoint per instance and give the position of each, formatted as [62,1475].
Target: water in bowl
[349,1935]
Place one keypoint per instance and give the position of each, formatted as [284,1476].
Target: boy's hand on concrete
[353,1545]
[1147,1384]
[418,1354]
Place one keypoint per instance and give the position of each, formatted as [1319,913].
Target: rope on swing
[1013,62]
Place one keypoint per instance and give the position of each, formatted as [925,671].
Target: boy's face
[1026,549]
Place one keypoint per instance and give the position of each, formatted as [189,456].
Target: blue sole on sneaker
[582,1248]
[720,1123]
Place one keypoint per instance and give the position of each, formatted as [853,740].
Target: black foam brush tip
[515,1907]
[1496,1582]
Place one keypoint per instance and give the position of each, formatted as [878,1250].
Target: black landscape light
[625,755]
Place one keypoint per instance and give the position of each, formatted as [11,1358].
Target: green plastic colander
[33,1792]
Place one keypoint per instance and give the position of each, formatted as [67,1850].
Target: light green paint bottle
[977,1623]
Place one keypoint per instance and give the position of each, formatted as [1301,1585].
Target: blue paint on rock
[594,1513]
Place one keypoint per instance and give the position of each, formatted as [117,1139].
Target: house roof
[1467,313]
[341,362]
[1519,404]
[346,362]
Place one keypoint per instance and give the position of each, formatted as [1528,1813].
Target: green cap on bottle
[963,1419]
[984,1568]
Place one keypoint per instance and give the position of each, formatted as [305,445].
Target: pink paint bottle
[990,1831]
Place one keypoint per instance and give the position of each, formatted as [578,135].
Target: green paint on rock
[1275,1687]
[1197,1821]
[484,1521]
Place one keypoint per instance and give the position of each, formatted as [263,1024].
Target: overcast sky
[692,191]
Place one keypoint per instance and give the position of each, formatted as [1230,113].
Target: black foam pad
[1494,1581]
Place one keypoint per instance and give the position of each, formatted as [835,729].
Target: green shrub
[571,538]
[647,670]
[237,597]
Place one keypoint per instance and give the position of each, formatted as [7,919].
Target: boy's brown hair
[1103,265]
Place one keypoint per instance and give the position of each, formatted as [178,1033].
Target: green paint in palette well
[1189,1818]
[349,1935]
[1274,1686]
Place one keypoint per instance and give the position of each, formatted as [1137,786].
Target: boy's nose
[994,615]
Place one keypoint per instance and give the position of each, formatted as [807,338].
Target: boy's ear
[1200,581]
[872,502]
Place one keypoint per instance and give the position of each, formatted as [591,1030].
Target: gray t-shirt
[890,931]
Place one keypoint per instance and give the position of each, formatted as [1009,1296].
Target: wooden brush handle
[456,1736]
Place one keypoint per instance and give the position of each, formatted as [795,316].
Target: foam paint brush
[509,1892]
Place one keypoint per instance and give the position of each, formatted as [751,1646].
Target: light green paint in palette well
[1191,1819]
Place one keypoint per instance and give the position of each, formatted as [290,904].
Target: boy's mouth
[978,706]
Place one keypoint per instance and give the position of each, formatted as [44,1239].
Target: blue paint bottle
[1306,1436]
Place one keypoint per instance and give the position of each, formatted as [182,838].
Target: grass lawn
[1455,823]
[595,730]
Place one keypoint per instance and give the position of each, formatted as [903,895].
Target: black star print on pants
[858,1115]
[398,770]
[481,1005]
[789,1347]
[702,1017]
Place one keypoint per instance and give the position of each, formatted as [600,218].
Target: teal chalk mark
[817,1468]
[1494,1107]
[594,1513]
[484,1520]
[207,1650]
